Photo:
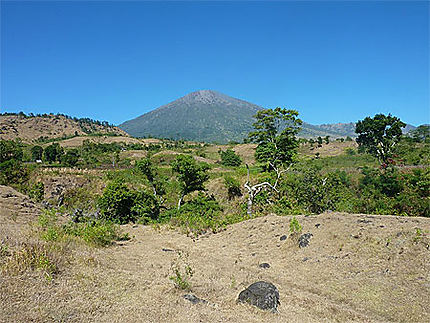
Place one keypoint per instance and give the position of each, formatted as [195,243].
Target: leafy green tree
[275,133]
[229,158]
[320,141]
[71,157]
[10,150]
[36,153]
[379,135]
[327,139]
[147,168]
[53,152]
[191,175]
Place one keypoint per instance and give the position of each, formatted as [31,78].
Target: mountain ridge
[198,116]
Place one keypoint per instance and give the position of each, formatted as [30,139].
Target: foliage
[36,153]
[191,175]
[275,133]
[229,158]
[295,226]
[182,272]
[96,233]
[122,205]
[378,135]
[421,133]
[13,172]
[233,187]
[198,215]
[37,192]
[53,153]
[147,168]
[71,157]
[10,150]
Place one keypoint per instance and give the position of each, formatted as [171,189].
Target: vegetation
[229,158]
[191,175]
[379,135]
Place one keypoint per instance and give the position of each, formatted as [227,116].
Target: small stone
[167,250]
[264,265]
[306,259]
[304,240]
[194,299]
[284,237]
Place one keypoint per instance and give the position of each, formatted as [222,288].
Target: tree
[327,139]
[275,133]
[53,153]
[147,168]
[71,157]
[10,150]
[191,175]
[379,135]
[36,153]
[421,133]
[229,158]
[320,141]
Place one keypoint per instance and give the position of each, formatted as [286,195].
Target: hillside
[356,268]
[50,126]
[210,116]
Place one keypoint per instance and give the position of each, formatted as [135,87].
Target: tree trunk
[180,201]
[249,211]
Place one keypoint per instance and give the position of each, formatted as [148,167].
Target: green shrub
[97,233]
[13,172]
[233,187]
[295,226]
[122,205]
[198,215]
[229,158]
[37,192]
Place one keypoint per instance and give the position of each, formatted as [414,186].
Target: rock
[261,294]
[264,265]
[194,299]
[304,240]
[284,237]
[317,225]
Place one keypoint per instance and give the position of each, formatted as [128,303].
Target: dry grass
[334,148]
[30,129]
[356,268]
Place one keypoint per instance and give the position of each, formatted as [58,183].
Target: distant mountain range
[211,116]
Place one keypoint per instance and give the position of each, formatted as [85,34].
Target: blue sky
[332,61]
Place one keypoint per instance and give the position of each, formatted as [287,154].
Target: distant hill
[30,128]
[211,116]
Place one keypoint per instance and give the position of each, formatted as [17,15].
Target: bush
[121,205]
[10,150]
[97,233]
[233,187]
[198,215]
[229,158]
[37,192]
[13,172]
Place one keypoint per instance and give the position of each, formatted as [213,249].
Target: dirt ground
[357,268]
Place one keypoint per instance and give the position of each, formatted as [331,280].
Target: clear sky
[332,61]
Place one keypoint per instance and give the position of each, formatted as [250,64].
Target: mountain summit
[203,115]
[211,116]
